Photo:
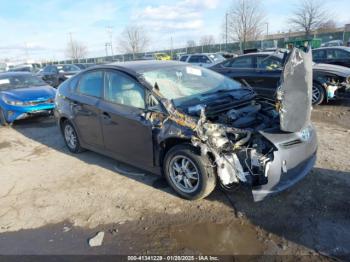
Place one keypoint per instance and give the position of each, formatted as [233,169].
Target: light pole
[110,34]
[226,32]
[267,34]
[171,47]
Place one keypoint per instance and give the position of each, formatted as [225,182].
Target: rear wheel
[318,94]
[3,120]
[188,173]
[71,137]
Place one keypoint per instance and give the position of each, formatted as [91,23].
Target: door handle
[107,118]
[75,105]
[105,115]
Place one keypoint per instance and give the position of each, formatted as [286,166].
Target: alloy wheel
[184,174]
[70,136]
[316,94]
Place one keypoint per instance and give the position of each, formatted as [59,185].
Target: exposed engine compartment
[255,115]
[232,136]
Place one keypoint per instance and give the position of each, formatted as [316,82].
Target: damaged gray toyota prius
[192,125]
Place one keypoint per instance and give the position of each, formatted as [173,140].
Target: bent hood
[333,69]
[295,93]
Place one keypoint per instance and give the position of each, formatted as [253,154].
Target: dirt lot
[52,202]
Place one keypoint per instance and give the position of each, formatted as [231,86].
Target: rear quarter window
[240,62]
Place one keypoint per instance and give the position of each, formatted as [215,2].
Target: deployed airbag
[295,92]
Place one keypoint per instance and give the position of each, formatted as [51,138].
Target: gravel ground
[52,202]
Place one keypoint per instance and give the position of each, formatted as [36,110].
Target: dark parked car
[23,95]
[191,124]
[31,68]
[339,55]
[54,75]
[262,71]
[333,43]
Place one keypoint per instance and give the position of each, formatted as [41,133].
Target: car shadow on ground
[45,131]
[315,213]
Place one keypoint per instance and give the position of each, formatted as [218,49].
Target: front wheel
[318,94]
[188,173]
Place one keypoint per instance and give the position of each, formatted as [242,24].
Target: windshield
[19,81]
[182,81]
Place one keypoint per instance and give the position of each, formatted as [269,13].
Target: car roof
[334,41]
[203,54]
[14,73]
[141,66]
[278,55]
[346,48]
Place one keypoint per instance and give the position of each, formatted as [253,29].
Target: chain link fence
[236,48]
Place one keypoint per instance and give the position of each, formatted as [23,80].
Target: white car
[204,60]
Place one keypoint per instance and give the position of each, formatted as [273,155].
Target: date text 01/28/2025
[173,258]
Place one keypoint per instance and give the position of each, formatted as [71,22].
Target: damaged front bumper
[294,158]
[14,113]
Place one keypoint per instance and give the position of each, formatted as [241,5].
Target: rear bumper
[13,113]
[290,164]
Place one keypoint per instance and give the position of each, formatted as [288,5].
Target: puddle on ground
[211,238]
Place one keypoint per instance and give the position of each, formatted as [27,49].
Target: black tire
[206,176]
[318,94]
[73,147]
[3,121]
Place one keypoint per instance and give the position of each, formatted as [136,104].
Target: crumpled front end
[267,160]
[293,158]
[265,144]
[13,113]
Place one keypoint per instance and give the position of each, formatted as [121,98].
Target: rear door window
[183,58]
[204,59]
[122,89]
[91,84]
[195,59]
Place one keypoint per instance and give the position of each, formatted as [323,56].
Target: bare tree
[308,16]
[245,20]
[133,40]
[207,40]
[76,50]
[328,25]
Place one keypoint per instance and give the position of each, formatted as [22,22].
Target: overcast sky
[40,29]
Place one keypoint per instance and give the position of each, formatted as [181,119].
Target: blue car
[23,95]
